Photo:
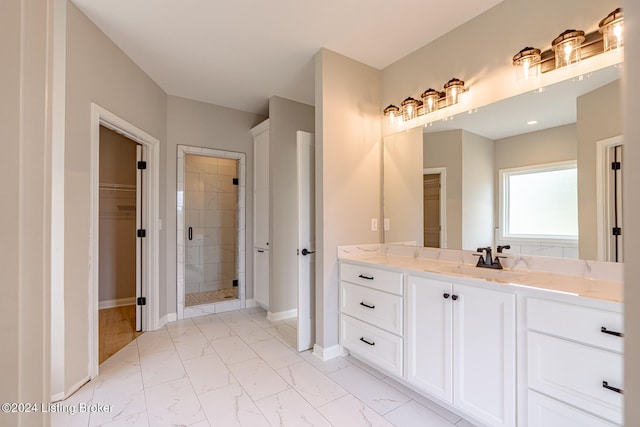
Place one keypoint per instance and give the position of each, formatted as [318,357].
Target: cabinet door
[428,336]
[261,277]
[484,351]
[261,190]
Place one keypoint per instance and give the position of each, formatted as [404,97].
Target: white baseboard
[281,315]
[169,317]
[325,354]
[64,395]
[250,303]
[120,302]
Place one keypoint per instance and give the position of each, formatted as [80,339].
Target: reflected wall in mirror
[578,121]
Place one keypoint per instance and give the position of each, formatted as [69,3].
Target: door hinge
[142,233]
[236,181]
[616,166]
[141,301]
[235,282]
[142,164]
[616,231]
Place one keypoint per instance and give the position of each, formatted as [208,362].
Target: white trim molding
[119,302]
[282,315]
[151,199]
[603,196]
[325,354]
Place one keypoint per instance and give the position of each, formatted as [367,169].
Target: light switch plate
[374,224]
[386,224]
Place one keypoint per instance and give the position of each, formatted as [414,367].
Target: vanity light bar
[431,100]
[590,44]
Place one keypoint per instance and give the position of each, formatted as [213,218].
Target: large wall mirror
[537,171]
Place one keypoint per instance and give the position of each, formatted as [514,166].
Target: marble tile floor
[238,369]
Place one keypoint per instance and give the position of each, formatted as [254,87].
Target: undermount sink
[504,276]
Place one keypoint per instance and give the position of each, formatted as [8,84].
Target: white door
[139,226]
[429,342]
[484,349]
[306,239]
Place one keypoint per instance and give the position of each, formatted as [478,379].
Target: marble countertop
[583,282]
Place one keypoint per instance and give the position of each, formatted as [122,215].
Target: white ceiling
[239,53]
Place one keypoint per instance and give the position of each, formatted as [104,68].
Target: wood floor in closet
[117,328]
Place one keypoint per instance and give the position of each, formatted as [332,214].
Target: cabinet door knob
[445,296]
[606,385]
[454,297]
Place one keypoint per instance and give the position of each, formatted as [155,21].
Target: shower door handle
[190,233]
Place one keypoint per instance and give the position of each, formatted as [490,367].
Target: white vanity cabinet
[574,365]
[461,347]
[371,315]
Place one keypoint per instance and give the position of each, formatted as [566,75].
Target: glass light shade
[409,109]
[527,63]
[453,89]
[430,100]
[392,113]
[568,47]
[612,30]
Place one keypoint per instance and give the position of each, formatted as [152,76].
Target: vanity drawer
[372,306]
[574,373]
[577,323]
[546,412]
[378,347]
[384,280]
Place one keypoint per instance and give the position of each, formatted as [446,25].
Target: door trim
[150,245]
[603,195]
[241,257]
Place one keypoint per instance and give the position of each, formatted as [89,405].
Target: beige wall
[477,191]
[403,187]
[25,174]
[631,112]
[599,115]
[285,118]
[552,145]
[97,71]
[117,213]
[468,159]
[444,150]
[348,173]
[199,124]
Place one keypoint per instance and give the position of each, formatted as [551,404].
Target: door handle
[305,252]
[190,233]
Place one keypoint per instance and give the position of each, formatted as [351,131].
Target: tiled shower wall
[211,202]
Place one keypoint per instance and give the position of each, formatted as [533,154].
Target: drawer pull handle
[445,296]
[367,342]
[362,276]
[605,331]
[362,303]
[608,387]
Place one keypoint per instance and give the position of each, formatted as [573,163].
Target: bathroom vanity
[539,343]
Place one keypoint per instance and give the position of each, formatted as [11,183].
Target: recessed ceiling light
[532,122]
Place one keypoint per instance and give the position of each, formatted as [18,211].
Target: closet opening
[120,249]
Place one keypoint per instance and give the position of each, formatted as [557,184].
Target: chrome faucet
[486,261]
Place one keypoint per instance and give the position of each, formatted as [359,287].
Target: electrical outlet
[386,224]
[374,224]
